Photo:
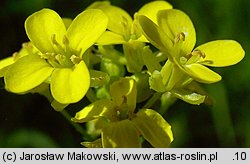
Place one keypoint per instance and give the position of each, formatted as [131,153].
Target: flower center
[63,55]
[192,57]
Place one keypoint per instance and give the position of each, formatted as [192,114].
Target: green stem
[152,100]
[78,127]
[166,101]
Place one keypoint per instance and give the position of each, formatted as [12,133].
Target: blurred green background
[29,121]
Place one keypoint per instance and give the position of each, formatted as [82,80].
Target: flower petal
[70,85]
[122,134]
[123,92]
[221,53]
[110,38]
[86,28]
[4,65]
[40,27]
[6,62]
[101,108]
[201,73]
[27,49]
[150,9]
[153,127]
[142,38]
[117,17]
[175,23]
[152,32]
[27,73]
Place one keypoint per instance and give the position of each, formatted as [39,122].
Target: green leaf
[27,73]
[124,91]
[98,78]
[86,28]
[201,73]
[101,108]
[40,27]
[122,134]
[69,85]
[150,9]
[189,96]
[154,128]
[221,53]
[174,23]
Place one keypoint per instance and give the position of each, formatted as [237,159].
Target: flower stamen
[60,58]
[58,46]
[75,59]
[199,53]
[180,37]
[193,57]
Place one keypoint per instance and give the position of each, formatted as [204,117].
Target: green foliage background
[29,121]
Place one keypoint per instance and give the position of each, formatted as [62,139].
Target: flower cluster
[105,57]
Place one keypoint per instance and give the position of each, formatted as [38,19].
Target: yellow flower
[27,48]
[175,36]
[123,29]
[58,60]
[121,26]
[120,125]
